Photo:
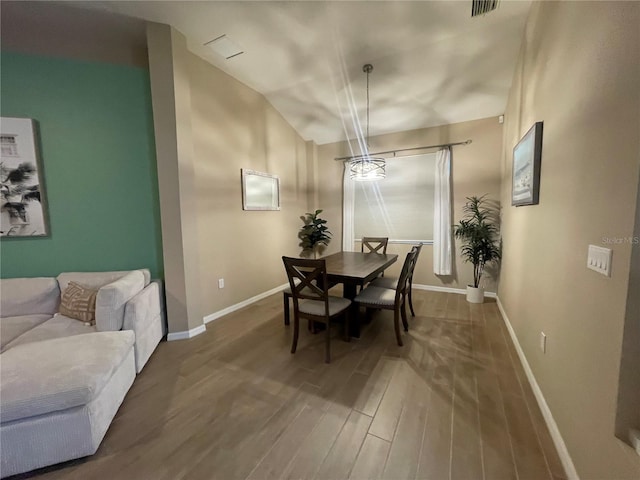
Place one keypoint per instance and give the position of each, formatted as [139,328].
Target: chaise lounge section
[59,397]
[62,380]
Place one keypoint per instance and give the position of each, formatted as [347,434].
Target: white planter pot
[475,295]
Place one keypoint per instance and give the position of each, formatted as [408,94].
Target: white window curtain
[347,210]
[442,214]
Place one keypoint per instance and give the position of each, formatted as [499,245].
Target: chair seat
[377,296]
[385,282]
[316,307]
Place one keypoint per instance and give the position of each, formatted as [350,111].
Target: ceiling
[433,63]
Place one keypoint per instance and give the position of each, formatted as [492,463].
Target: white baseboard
[244,303]
[561,447]
[221,313]
[186,334]
[436,288]
[225,311]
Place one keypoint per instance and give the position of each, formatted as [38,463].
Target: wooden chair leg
[285,296]
[405,323]
[413,313]
[347,335]
[396,325]
[368,315]
[296,328]
[327,357]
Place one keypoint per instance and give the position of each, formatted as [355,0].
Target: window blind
[400,206]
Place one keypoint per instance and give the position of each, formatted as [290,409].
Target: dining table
[355,269]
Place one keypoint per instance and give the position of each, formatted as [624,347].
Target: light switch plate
[599,260]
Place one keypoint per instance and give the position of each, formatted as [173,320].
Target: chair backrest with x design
[407,271]
[374,244]
[307,280]
[415,261]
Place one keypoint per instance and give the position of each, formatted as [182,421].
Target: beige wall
[578,72]
[475,171]
[234,127]
[208,127]
[171,97]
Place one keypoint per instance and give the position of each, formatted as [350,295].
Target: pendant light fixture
[364,167]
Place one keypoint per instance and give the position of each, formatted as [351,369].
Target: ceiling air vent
[480,7]
[225,47]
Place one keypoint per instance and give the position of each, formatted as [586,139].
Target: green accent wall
[97,147]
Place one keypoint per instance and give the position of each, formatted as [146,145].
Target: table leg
[350,292]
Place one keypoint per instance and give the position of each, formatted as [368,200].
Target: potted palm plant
[479,233]
[314,234]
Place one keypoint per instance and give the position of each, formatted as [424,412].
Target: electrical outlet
[221,283]
[543,342]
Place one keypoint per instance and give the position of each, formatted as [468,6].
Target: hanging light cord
[367,69]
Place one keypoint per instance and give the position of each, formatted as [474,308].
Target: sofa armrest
[112,299]
[143,315]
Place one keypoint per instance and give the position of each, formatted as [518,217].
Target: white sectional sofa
[62,381]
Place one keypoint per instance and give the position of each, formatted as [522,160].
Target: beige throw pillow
[79,302]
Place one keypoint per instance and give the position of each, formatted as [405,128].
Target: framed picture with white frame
[260,191]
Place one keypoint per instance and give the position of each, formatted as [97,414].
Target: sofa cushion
[58,374]
[112,299]
[97,279]
[79,302]
[12,327]
[25,296]
[56,327]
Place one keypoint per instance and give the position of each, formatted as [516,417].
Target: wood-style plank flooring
[233,403]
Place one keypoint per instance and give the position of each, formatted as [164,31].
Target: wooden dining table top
[356,266]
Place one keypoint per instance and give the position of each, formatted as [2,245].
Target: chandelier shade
[366,169]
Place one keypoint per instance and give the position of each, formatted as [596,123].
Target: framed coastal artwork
[527,156]
[22,202]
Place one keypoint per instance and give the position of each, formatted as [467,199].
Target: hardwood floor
[233,403]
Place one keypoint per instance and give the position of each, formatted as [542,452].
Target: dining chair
[391,282]
[373,297]
[374,244]
[311,299]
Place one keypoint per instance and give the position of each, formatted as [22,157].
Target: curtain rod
[467,142]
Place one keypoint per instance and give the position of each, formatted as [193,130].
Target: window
[8,145]
[400,206]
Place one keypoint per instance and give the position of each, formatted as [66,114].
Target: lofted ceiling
[433,63]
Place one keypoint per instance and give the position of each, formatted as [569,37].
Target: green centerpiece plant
[480,235]
[314,235]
